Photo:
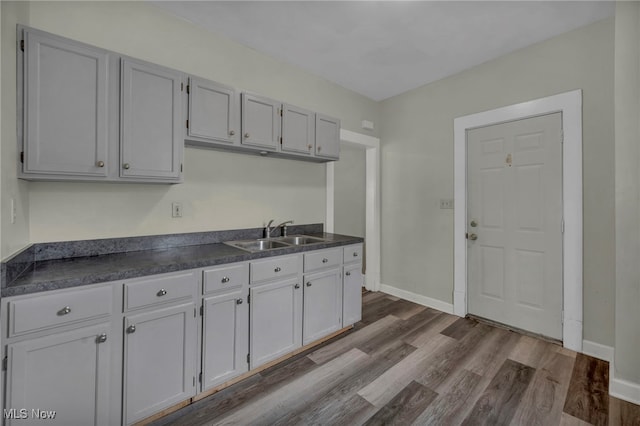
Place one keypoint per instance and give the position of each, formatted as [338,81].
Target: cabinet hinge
[188,86]
[181,169]
[280,140]
[187,124]
[248,299]
[181,87]
[22,157]
[201,312]
[200,377]
[194,312]
[194,380]
[280,112]
[562,226]
[561,136]
[248,358]
[4,363]
[22,45]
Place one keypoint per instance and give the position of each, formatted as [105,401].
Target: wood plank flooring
[407,364]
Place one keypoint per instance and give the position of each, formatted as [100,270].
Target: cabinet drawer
[322,259]
[282,266]
[58,308]
[353,253]
[152,291]
[225,277]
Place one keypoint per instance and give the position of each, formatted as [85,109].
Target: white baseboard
[418,298]
[623,389]
[597,350]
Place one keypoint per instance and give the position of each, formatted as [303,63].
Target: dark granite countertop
[53,274]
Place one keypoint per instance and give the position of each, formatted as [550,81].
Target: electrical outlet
[176,209]
[446,203]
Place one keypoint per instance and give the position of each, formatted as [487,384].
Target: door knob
[472,237]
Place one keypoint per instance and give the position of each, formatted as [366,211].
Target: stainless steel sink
[263,244]
[300,240]
[257,245]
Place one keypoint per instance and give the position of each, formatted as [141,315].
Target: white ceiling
[383,48]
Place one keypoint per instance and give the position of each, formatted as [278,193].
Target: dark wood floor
[407,364]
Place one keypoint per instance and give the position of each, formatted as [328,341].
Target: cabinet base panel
[235,380]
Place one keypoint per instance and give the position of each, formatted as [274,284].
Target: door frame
[570,105]
[372,203]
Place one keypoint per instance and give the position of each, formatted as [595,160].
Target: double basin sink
[262,244]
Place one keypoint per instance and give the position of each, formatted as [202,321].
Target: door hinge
[201,311]
[22,157]
[200,377]
[5,361]
[562,227]
[248,358]
[22,45]
[187,124]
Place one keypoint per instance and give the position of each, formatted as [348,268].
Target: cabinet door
[151,109]
[260,122]
[67,373]
[298,130]
[352,296]
[159,360]
[327,137]
[65,107]
[213,112]
[322,305]
[276,320]
[225,338]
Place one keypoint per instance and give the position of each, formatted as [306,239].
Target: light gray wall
[627,187]
[221,190]
[417,162]
[350,191]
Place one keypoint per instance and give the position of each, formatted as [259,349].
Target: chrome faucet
[268,229]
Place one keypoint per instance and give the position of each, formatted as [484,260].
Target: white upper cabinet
[327,137]
[151,145]
[298,130]
[213,112]
[260,122]
[65,107]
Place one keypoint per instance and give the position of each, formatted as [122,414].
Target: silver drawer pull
[126,166]
[64,311]
[131,329]
[238,301]
[100,163]
[296,286]
[355,254]
[231,132]
[225,280]
[348,273]
[325,260]
[308,283]
[278,269]
[162,292]
[101,338]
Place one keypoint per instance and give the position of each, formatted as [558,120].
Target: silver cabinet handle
[126,166]
[325,260]
[246,135]
[296,286]
[238,301]
[355,254]
[319,148]
[131,329]
[308,283]
[348,273]
[100,163]
[232,132]
[310,147]
[474,223]
[64,311]
[278,269]
[473,237]
[101,338]
[225,280]
[162,292]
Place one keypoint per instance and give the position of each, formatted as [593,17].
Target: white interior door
[515,223]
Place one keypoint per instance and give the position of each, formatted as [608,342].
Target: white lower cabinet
[225,338]
[60,379]
[159,360]
[352,294]
[275,320]
[322,305]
